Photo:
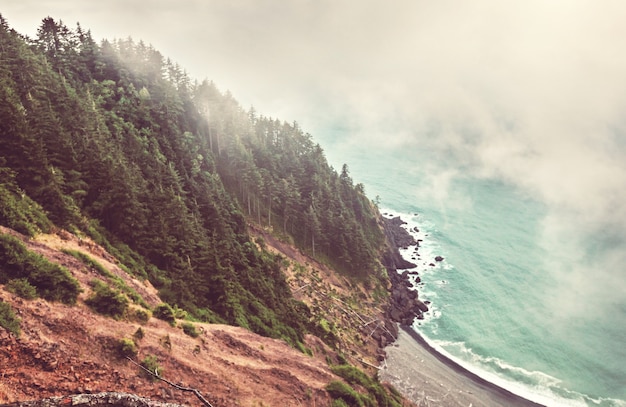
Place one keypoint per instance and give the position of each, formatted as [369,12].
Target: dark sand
[430,379]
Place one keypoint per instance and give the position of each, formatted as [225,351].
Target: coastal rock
[438,258]
[397,236]
[421,306]
[404,306]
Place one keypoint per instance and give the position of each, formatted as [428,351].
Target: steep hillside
[114,142]
[67,349]
[144,214]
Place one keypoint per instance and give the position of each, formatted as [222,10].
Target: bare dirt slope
[70,349]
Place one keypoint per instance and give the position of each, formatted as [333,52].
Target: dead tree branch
[179,387]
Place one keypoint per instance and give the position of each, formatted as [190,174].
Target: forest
[114,141]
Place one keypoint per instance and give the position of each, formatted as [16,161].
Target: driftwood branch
[179,387]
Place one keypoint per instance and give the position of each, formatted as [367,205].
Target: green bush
[339,390]
[127,348]
[103,271]
[18,211]
[141,315]
[151,363]
[354,375]
[307,351]
[53,282]
[190,329]
[22,288]
[89,262]
[139,334]
[107,301]
[165,312]
[8,320]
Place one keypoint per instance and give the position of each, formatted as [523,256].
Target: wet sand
[430,379]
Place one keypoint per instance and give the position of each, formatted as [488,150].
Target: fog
[530,92]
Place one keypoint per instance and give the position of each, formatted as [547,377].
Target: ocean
[507,303]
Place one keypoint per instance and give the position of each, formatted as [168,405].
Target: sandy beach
[429,379]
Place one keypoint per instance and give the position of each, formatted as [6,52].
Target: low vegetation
[165,312]
[17,210]
[118,282]
[107,301]
[190,329]
[8,320]
[376,391]
[151,363]
[22,288]
[51,281]
[127,348]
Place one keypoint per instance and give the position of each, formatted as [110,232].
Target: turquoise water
[501,302]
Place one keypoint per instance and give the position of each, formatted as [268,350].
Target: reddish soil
[65,350]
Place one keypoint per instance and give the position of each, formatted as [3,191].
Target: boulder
[421,306]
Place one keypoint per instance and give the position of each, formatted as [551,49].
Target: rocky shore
[416,369]
[404,304]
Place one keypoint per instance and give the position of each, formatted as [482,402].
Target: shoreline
[429,378]
[412,365]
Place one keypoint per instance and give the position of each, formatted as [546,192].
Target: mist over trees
[115,141]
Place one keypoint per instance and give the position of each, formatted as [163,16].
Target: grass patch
[89,262]
[107,301]
[8,320]
[190,329]
[127,348]
[338,390]
[165,312]
[118,282]
[151,363]
[52,282]
[22,288]
[375,389]
[17,210]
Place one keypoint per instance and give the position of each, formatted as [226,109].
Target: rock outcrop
[397,237]
[404,305]
[98,399]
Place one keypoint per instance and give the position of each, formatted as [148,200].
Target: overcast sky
[530,91]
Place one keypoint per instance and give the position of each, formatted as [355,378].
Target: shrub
[352,375]
[18,211]
[340,390]
[139,335]
[165,312]
[151,363]
[127,348]
[118,282]
[302,348]
[141,315]
[22,288]
[190,329]
[53,282]
[107,301]
[8,320]
[89,262]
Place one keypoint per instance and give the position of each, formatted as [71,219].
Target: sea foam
[535,386]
